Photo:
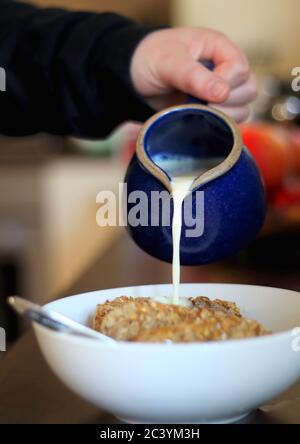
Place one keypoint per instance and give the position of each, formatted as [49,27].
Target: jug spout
[189,138]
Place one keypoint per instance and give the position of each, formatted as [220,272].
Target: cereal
[147,320]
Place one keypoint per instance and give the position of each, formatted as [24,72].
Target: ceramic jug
[233,199]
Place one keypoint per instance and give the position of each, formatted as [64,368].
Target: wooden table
[30,393]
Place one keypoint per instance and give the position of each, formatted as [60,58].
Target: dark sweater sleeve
[67,72]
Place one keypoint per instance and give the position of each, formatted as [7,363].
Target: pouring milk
[181,186]
[183,172]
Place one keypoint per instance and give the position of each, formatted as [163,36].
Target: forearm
[66,72]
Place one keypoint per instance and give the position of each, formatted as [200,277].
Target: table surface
[29,391]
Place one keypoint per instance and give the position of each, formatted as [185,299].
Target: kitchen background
[48,185]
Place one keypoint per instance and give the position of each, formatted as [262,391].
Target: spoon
[53,320]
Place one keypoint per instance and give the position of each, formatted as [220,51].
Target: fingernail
[219,90]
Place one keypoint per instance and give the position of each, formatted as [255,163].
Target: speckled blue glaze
[234,206]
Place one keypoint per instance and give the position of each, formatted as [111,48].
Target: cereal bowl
[204,382]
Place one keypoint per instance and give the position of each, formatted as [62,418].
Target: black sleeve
[66,72]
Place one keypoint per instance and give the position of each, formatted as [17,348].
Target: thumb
[183,73]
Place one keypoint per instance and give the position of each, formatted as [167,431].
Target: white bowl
[180,383]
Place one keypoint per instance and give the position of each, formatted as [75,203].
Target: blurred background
[48,185]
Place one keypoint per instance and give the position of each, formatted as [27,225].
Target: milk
[182,171]
[181,186]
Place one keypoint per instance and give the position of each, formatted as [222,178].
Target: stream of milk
[182,171]
[180,188]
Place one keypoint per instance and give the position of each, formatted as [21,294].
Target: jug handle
[209,64]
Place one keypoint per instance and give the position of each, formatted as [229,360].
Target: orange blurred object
[295,147]
[269,146]
[287,196]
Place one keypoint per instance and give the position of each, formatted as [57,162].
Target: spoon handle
[52,320]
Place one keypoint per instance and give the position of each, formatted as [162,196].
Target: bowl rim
[203,346]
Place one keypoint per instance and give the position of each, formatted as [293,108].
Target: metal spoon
[53,320]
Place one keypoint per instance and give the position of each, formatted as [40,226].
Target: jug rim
[209,175]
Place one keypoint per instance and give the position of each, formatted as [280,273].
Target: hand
[165,68]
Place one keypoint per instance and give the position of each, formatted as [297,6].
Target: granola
[147,320]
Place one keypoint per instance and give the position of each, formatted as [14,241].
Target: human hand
[165,68]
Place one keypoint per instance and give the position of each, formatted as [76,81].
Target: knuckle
[191,77]
[242,72]
[253,86]
[220,35]
[162,56]
[252,92]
